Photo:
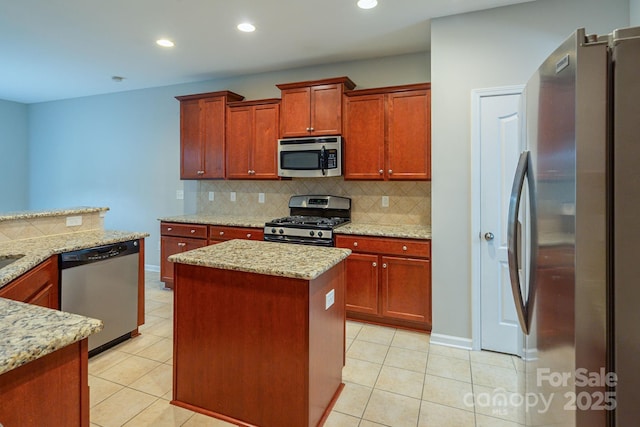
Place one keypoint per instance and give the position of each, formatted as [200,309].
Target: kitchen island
[259,332]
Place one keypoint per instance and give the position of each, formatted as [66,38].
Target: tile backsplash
[409,201]
[28,228]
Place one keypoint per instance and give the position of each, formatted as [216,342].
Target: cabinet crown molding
[346,81]
[231,96]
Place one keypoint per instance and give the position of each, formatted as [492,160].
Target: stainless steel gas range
[311,222]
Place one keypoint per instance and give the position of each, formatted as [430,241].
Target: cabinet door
[239,141]
[364,137]
[38,286]
[362,283]
[191,149]
[296,107]
[170,245]
[409,135]
[264,162]
[406,289]
[213,116]
[326,110]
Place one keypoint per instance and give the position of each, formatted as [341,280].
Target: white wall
[122,150]
[14,151]
[497,47]
[634,13]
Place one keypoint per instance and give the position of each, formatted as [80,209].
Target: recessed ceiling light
[367,4]
[165,43]
[246,27]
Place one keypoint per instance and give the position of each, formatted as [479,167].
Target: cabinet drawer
[229,233]
[385,245]
[196,231]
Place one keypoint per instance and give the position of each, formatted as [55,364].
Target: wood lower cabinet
[176,238]
[50,391]
[388,280]
[252,139]
[202,134]
[313,107]
[221,233]
[39,286]
[387,133]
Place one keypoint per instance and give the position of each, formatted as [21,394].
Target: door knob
[488,236]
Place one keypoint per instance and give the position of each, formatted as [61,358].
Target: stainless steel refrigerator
[575,263]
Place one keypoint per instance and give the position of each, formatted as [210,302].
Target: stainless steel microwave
[310,157]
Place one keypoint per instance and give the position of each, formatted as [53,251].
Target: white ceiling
[57,49]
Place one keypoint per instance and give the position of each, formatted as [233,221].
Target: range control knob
[281,231]
[273,230]
[319,233]
[311,233]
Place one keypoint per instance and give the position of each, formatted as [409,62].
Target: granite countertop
[386,230]
[39,249]
[406,231]
[30,332]
[269,258]
[10,216]
[228,220]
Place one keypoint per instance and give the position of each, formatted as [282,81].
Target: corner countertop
[11,216]
[39,249]
[406,231]
[30,332]
[268,258]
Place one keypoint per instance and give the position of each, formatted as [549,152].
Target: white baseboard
[451,341]
[151,267]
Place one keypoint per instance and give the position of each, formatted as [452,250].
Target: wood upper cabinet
[313,107]
[202,134]
[252,139]
[388,133]
[38,286]
[388,280]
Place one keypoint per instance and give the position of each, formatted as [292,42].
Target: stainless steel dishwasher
[102,282]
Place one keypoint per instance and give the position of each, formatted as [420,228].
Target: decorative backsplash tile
[409,201]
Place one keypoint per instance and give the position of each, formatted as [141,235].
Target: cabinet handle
[200,172]
[374,264]
[193,231]
[169,228]
[384,265]
[390,171]
[355,244]
[380,171]
[182,244]
[404,248]
[248,235]
[222,233]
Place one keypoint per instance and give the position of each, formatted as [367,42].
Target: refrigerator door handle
[513,241]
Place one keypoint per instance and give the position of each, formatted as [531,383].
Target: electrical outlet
[260,197]
[180,194]
[74,221]
[232,196]
[385,201]
[211,194]
[329,299]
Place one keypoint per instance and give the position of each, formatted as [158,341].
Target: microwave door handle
[322,160]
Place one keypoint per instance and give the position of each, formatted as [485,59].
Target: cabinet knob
[384,265]
[200,172]
[222,233]
[193,231]
[374,264]
[404,248]
[390,171]
[169,228]
[248,235]
[380,171]
[355,244]
[311,129]
[182,244]
[308,129]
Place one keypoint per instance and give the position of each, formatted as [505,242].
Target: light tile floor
[392,377]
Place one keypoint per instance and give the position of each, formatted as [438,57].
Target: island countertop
[30,332]
[269,258]
[38,249]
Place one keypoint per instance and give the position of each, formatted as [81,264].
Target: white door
[499,149]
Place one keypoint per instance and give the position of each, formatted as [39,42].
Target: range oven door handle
[524,308]
[323,160]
